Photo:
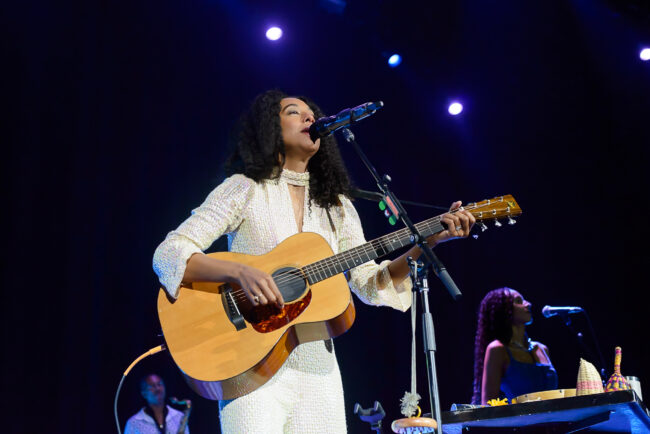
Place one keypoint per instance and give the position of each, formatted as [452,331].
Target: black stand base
[373,415]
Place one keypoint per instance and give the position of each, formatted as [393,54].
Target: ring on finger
[256,298]
[458,228]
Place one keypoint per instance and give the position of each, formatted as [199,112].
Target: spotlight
[645,54]
[274,33]
[455,108]
[394,60]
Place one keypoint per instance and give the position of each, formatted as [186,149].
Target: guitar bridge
[231,308]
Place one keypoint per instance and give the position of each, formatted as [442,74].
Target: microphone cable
[152,351]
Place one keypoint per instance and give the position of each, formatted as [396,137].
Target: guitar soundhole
[290,282]
[265,319]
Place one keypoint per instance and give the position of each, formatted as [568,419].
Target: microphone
[325,126]
[176,401]
[549,311]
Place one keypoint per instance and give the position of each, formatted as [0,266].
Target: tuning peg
[475,236]
[511,221]
[482,226]
[497,223]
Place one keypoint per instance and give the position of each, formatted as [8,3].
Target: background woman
[506,362]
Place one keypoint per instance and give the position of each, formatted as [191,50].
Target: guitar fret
[329,272]
[308,274]
[341,262]
[360,260]
[365,258]
[321,275]
[382,246]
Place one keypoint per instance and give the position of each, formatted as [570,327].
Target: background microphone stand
[395,211]
[566,318]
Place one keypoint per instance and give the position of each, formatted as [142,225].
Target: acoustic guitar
[227,348]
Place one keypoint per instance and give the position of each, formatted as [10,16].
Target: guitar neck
[486,210]
[369,251]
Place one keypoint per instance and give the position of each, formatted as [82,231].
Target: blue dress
[521,378]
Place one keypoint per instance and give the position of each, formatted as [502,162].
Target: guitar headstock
[494,209]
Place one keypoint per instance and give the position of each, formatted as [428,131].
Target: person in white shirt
[156,417]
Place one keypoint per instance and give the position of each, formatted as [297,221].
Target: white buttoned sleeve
[220,213]
[371,282]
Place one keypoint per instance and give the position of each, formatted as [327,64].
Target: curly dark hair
[494,322]
[258,144]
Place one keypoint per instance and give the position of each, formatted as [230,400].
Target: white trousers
[305,396]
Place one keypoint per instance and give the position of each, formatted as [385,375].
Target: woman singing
[281,183]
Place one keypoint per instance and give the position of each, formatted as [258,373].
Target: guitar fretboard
[369,251]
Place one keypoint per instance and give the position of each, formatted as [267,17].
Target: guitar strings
[325,266]
[370,248]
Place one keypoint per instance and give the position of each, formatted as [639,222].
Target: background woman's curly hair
[258,143]
[494,322]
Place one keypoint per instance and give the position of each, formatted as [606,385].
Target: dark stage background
[119,114]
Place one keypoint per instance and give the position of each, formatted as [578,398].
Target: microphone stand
[579,337]
[420,283]
[378,197]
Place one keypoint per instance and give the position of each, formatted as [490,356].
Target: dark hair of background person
[494,322]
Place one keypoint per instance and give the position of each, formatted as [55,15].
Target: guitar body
[225,355]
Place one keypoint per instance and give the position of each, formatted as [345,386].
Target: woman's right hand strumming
[259,286]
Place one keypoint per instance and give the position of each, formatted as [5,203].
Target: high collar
[295,178]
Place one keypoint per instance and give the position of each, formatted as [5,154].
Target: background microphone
[549,311]
[325,126]
[176,401]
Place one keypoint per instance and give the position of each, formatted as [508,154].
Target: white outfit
[306,394]
[142,423]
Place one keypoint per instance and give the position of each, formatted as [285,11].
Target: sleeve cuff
[398,297]
[170,264]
